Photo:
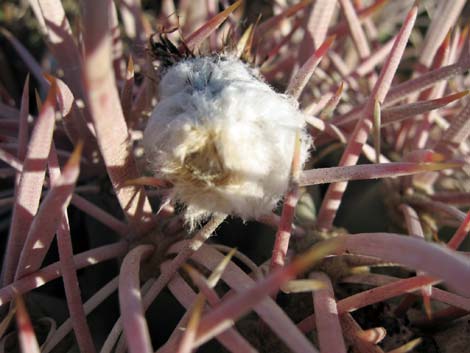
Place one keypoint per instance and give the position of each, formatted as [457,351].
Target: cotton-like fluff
[223,137]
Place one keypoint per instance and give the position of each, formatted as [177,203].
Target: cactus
[336,132]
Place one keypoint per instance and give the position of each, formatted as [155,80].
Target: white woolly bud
[223,137]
